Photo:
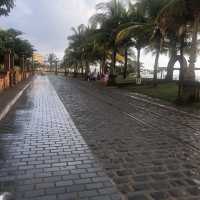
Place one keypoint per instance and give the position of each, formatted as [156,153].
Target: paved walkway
[43,155]
[9,94]
[148,151]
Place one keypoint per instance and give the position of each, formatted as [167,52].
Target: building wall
[10,78]
[38,58]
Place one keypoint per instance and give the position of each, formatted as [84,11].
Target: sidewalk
[42,154]
[8,95]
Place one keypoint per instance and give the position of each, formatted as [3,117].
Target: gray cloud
[48,23]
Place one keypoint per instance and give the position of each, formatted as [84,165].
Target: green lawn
[165,91]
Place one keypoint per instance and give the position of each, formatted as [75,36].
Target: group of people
[94,76]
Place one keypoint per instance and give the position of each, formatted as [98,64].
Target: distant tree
[23,48]
[6,6]
[9,39]
[51,60]
[109,16]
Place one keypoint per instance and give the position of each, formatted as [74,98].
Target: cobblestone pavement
[42,154]
[151,153]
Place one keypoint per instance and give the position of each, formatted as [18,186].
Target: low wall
[11,78]
[4,80]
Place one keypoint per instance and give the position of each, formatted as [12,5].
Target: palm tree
[150,9]
[75,45]
[195,28]
[6,6]
[143,15]
[137,30]
[51,60]
[109,18]
[19,48]
[173,50]
[124,41]
[157,37]
[140,36]
[182,15]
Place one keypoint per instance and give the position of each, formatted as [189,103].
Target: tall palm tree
[6,6]
[182,15]
[137,29]
[145,14]
[109,17]
[75,44]
[83,48]
[51,60]
[193,53]
[150,9]
[140,36]
[173,50]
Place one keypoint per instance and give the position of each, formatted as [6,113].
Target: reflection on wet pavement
[152,155]
[43,156]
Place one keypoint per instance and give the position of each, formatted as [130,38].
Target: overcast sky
[47,23]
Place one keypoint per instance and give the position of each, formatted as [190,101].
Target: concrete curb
[166,107]
[12,102]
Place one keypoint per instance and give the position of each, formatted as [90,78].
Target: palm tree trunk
[87,69]
[75,70]
[155,74]
[102,67]
[138,62]
[126,62]
[190,75]
[56,68]
[51,66]
[173,54]
[113,68]
[81,67]
[114,53]
[65,69]
[181,74]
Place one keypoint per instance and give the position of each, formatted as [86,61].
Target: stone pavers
[149,152]
[43,155]
[9,94]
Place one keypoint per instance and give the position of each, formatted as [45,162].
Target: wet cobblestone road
[151,153]
[42,154]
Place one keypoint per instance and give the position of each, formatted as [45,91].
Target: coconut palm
[75,44]
[173,50]
[6,6]
[137,30]
[182,15]
[150,9]
[144,13]
[109,17]
[10,40]
[140,36]
[51,60]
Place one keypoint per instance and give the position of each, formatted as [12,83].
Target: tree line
[10,40]
[158,26]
